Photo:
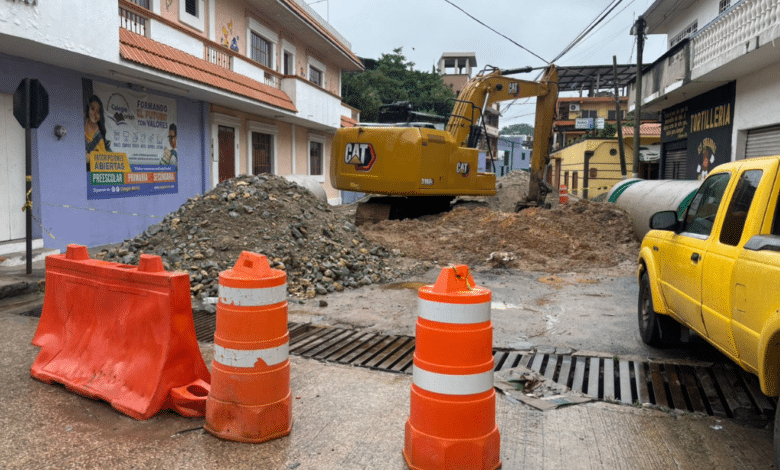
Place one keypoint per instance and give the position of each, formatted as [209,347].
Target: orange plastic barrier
[563,197]
[452,419]
[122,334]
[250,398]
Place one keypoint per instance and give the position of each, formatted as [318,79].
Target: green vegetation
[392,78]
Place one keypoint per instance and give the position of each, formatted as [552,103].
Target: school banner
[130,140]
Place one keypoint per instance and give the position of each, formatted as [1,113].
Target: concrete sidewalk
[345,418]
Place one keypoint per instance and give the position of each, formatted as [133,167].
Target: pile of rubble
[319,248]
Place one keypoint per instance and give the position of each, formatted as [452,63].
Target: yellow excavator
[418,170]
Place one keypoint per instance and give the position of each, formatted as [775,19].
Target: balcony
[736,43]
[313,103]
[740,30]
[136,17]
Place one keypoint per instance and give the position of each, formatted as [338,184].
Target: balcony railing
[219,57]
[132,21]
[737,27]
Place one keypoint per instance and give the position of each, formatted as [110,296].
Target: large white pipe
[643,198]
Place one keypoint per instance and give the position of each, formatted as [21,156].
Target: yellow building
[590,167]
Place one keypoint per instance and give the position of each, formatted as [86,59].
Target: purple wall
[59,178]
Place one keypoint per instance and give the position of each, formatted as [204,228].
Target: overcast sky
[427,28]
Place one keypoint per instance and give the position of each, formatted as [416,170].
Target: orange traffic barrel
[563,197]
[452,419]
[250,398]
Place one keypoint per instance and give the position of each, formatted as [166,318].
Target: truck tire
[654,329]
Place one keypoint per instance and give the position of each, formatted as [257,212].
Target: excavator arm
[496,86]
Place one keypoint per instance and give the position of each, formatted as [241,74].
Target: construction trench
[573,332]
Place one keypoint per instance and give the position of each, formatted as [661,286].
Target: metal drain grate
[722,390]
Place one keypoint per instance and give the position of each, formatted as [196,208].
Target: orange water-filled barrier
[452,419]
[250,398]
[121,333]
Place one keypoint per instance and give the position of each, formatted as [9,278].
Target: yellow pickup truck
[717,270]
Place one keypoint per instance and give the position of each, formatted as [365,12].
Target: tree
[392,78]
[517,129]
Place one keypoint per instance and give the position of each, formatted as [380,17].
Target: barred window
[260,50]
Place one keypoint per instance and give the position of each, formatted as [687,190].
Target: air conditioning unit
[574,107]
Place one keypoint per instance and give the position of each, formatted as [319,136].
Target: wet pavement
[352,418]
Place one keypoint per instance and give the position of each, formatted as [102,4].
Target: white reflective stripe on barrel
[252,297]
[248,358]
[452,384]
[453,313]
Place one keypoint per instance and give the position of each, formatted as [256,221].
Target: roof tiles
[144,51]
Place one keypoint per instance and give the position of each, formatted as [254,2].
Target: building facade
[590,167]
[718,85]
[171,97]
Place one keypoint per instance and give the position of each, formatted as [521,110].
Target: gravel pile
[320,249]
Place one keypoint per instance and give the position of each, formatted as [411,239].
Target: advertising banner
[130,140]
[706,123]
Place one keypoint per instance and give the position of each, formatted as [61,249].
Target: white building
[718,85]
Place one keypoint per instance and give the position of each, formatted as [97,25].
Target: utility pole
[639,30]
[619,121]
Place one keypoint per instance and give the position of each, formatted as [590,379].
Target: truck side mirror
[664,220]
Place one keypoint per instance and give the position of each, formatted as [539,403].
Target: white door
[12,219]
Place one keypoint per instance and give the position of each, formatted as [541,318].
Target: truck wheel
[648,319]
[654,328]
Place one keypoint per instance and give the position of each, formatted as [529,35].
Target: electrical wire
[589,28]
[500,34]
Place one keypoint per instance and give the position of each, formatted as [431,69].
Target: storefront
[696,134]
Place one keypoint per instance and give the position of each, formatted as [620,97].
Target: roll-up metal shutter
[675,164]
[763,142]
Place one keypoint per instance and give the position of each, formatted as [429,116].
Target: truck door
[754,295]
[681,259]
[722,252]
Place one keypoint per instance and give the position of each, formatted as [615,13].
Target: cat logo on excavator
[360,155]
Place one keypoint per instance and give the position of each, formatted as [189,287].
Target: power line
[500,34]
[589,28]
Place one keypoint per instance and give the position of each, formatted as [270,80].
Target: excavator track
[377,209]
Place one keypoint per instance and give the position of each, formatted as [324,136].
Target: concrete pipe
[643,198]
[310,183]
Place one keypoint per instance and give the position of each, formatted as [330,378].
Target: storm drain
[720,389]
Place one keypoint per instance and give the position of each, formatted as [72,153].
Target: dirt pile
[319,248]
[575,237]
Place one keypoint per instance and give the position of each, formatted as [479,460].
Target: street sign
[31,101]
[583,123]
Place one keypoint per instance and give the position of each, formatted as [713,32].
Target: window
[687,32]
[723,6]
[261,44]
[289,65]
[612,115]
[262,152]
[315,157]
[191,13]
[590,113]
[704,206]
[316,71]
[315,75]
[260,50]
[734,222]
